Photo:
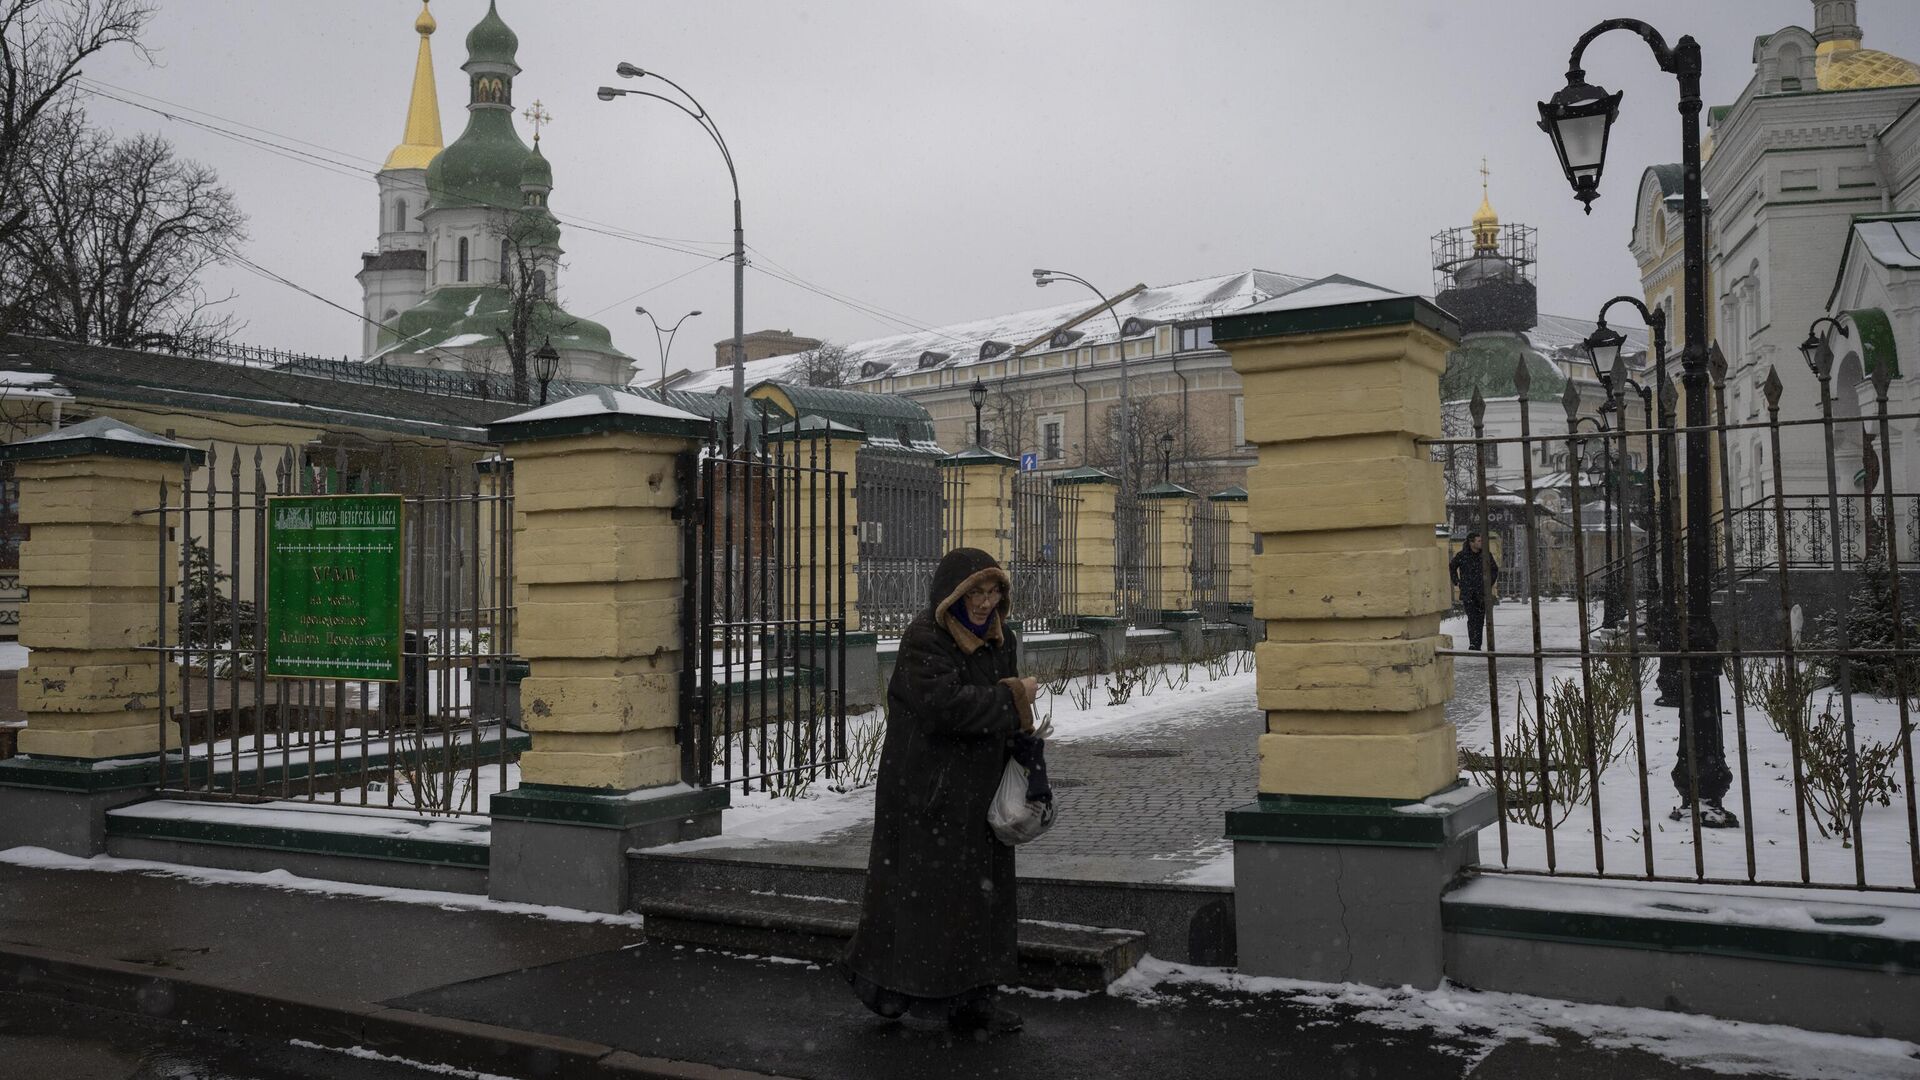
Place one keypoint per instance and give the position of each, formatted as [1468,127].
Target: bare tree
[1153,417]
[826,364]
[115,236]
[1009,415]
[533,316]
[42,45]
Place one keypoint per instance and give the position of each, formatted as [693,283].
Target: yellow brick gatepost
[598,581]
[985,514]
[1361,819]
[824,518]
[1174,505]
[1093,542]
[93,564]
[1233,500]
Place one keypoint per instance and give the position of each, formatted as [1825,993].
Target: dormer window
[1063,338]
[931,359]
[873,369]
[991,349]
[1134,327]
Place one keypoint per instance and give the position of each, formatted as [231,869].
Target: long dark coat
[938,919]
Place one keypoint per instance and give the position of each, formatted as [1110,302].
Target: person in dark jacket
[937,929]
[1465,570]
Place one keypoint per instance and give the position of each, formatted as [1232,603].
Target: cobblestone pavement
[1146,802]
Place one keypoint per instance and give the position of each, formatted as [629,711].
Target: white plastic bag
[1015,820]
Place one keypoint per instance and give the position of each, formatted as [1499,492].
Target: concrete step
[1186,923]
[1052,955]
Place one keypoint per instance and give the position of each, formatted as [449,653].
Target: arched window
[400,216]
[462,274]
[504,262]
[540,283]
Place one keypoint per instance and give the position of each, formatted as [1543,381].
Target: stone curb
[135,988]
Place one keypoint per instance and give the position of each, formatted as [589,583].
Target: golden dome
[421,141]
[424,25]
[1844,65]
[1486,223]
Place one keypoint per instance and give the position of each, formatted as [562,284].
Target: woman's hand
[1033,688]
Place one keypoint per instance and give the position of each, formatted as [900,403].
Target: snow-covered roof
[1893,244]
[1334,291]
[603,402]
[961,343]
[1555,332]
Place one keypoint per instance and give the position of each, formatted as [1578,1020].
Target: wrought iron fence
[1810,653]
[910,514]
[1043,562]
[435,740]
[764,683]
[1137,561]
[1212,561]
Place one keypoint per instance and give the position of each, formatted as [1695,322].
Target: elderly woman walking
[937,928]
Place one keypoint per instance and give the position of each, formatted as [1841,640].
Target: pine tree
[1870,615]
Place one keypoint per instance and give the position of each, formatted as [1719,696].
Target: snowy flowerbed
[1762,794]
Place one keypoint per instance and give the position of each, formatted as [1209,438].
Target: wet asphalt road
[42,1039]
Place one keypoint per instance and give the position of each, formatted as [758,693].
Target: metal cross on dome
[538,116]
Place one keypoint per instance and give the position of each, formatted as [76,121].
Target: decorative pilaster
[598,582]
[96,567]
[1339,873]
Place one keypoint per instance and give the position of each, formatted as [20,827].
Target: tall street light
[1603,350]
[666,346]
[1044,278]
[699,114]
[1578,118]
[978,395]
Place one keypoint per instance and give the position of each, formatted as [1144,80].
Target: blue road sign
[1030,461]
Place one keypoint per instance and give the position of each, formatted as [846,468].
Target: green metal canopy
[886,416]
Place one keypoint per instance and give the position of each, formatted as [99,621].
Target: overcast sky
[922,158]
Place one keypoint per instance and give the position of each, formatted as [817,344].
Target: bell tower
[393,277]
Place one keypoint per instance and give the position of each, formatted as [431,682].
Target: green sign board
[333,586]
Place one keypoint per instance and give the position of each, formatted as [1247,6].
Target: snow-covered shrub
[1783,690]
[1578,745]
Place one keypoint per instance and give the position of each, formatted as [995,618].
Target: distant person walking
[1475,587]
[938,926]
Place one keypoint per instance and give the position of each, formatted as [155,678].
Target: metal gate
[437,740]
[1043,563]
[765,614]
[1212,560]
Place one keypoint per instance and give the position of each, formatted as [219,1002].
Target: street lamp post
[699,114]
[1044,278]
[1166,457]
[1603,351]
[1578,119]
[979,397]
[667,346]
[546,363]
[1602,463]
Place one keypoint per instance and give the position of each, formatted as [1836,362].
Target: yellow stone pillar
[95,566]
[1338,877]
[1093,542]
[823,517]
[598,579]
[1239,547]
[1175,505]
[986,499]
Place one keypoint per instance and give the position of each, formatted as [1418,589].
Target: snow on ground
[365,1054]
[1489,1019]
[1765,804]
[43,859]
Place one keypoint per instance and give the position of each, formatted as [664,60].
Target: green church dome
[537,173]
[482,167]
[492,40]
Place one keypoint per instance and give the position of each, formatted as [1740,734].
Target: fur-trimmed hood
[959,572]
